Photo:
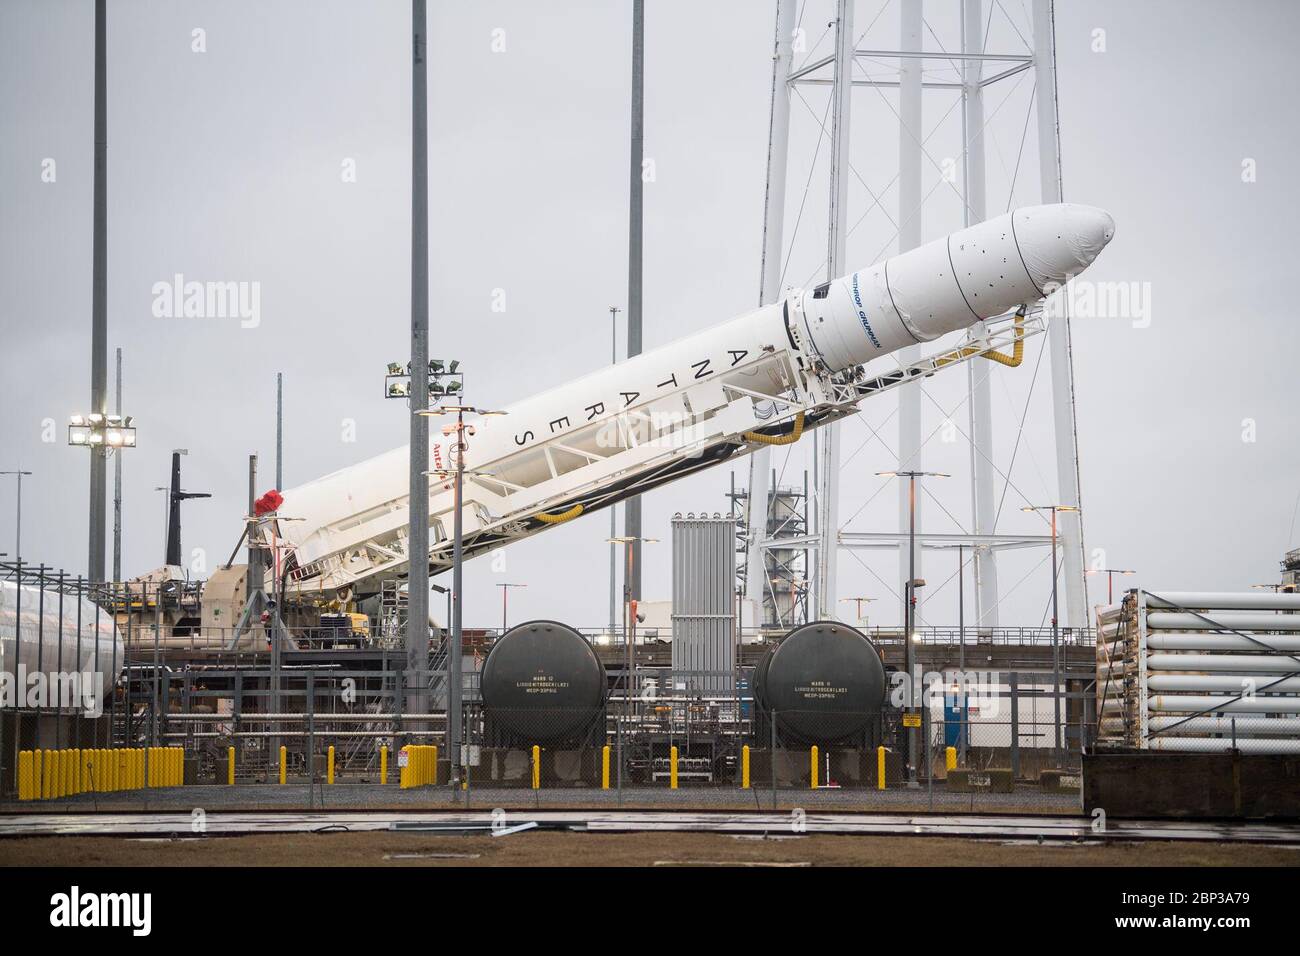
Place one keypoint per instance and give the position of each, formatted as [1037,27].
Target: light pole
[1110,580]
[909,607]
[101,434]
[613,509]
[629,608]
[18,543]
[458,449]
[505,593]
[1056,631]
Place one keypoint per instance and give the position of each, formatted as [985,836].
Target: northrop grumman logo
[76,909]
[862,313]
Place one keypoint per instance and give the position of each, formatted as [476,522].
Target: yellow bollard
[38,775]
[433,755]
[284,764]
[87,771]
[329,769]
[24,774]
[404,768]
[744,767]
[230,766]
[950,758]
[47,764]
[537,767]
[880,768]
[812,761]
[604,767]
[383,765]
[672,769]
[139,768]
[65,773]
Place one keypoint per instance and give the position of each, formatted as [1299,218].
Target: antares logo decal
[862,313]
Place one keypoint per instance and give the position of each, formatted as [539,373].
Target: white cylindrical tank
[37,639]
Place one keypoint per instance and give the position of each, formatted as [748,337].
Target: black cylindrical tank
[542,682]
[825,682]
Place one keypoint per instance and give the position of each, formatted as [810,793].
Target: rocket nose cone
[1059,241]
[1091,228]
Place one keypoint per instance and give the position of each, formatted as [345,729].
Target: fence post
[230,765]
[772,761]
[812,767]
[604,767]
[927,723]
[311,727]
[744,767]
[1013,685]
[672,769]
[537,767]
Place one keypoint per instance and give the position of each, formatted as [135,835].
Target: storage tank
[542,683]
[38,631]
[825,681]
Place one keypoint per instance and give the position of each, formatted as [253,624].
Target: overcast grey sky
[230,163]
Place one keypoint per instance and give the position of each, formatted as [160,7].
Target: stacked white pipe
[1200,671]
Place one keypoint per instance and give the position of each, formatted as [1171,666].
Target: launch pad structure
[844,71]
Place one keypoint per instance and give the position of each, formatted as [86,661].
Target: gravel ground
[356,796]
[621,849]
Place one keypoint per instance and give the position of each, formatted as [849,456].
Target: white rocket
[763,377]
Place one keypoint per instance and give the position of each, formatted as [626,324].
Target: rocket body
[953,282]
[685,405]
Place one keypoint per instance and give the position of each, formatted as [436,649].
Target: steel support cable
[803,201]
[1020,431]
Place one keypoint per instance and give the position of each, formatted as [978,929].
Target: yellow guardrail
[417,765]
[53,774]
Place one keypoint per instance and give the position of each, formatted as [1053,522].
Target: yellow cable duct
[789,439]
[1002,358]
[562,517]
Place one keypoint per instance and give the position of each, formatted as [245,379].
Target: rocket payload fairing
[763,377]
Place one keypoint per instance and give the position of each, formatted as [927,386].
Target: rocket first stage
[763,377]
